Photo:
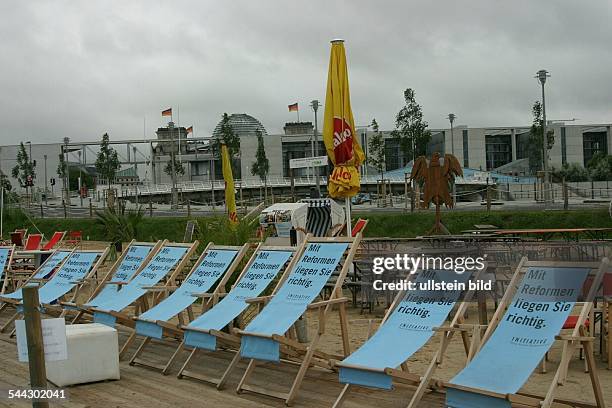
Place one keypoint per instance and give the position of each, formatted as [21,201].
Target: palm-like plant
[120,226]
[220,231]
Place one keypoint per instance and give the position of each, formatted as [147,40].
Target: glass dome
[243,125]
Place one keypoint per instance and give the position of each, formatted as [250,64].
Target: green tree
[61,167]
[229,138]
[24,167]
[107,162]
[410,129]
[5,183]
[376,150]
[535,148]
[261,165]
[571,172]
[179,169]
[600,167]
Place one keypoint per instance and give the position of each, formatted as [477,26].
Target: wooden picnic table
[468,237]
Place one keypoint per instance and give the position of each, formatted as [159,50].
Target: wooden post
[482,307]
[413,197]
[488,198]
[64,205]
[241,200]
[42,214]
[90,209]
[188,208]
[292,185]
[406,193]
[150,206]
[36,350]
[565,195]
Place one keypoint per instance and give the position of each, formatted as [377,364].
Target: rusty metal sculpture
[438,180]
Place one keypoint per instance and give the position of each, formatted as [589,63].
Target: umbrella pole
[348,216]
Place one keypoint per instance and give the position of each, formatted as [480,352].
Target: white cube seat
[93,355]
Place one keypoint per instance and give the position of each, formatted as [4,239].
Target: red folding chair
[16,239]
[359,227]
[57,237]
[33,242]
[75,238]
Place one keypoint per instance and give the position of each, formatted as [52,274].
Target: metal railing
[194,186]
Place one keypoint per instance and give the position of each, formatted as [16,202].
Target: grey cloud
[79,69]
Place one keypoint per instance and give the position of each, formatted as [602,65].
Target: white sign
[308,162]
[54,340]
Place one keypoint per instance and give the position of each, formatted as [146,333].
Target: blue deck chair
[168,262]
[6,259]
[261,340]
[204,333]
[44,271]
[120,273]
[70,276]
[523,328]
[40,276]
[413,319]
[215,266]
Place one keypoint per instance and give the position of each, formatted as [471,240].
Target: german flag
[167,112]
[189,130]
[293,107]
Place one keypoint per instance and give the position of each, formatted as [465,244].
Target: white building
[478,148]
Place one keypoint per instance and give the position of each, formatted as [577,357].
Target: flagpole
[178,122]
[173,191]
[347,204]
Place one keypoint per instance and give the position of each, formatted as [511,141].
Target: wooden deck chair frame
[231,340]
[75,290]
[142,303]
[208,300]
[32,279]
[570,342]
[7,268]
[426,381]
[88,310]
[306,354]
[111,272]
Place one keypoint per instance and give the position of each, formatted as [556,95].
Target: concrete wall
[8,160]
[274,154]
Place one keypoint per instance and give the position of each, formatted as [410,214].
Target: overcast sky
[80,69]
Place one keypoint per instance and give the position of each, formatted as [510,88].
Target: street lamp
[174,191]
[80,178]
[46,180]
[451,118]
[315,107]
[542,75]
[67,171]
[29,174]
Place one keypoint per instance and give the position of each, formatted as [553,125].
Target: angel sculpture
[438,180]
